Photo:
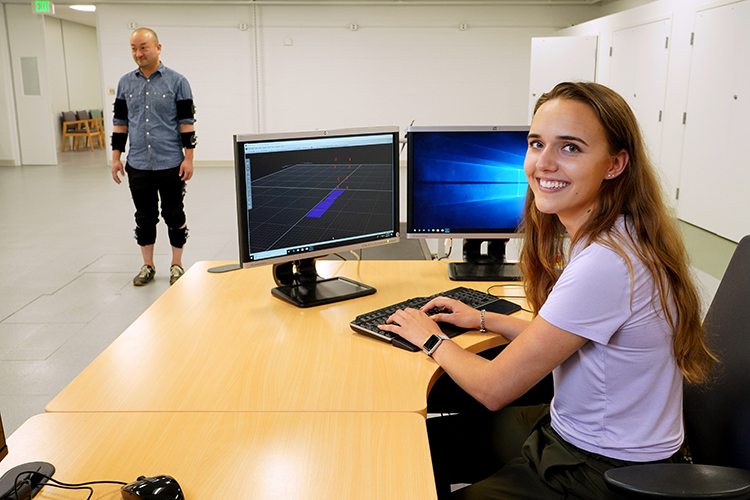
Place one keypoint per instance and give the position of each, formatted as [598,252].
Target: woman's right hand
[460,314]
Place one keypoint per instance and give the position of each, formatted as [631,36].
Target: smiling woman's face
[567,161]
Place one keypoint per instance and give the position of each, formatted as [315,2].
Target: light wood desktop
[221,342]
[234,455]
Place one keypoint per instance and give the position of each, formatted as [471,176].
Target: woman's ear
[619,162]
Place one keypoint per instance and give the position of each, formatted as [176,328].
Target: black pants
[147,187]
[530,460]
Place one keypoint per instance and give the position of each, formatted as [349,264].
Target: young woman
[619,328]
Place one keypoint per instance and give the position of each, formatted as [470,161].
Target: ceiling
[63,11]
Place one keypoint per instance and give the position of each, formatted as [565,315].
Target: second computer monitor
[468,182]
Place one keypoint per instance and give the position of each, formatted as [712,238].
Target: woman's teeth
[552,184]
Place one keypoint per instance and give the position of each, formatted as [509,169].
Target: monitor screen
[308,194]
[466,182]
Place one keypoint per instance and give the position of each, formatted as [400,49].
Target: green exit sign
[43,6]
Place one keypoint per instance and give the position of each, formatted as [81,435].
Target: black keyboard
[367,324]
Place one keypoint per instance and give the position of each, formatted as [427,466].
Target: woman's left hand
[411,324]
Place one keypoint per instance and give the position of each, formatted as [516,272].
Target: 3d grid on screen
[288,209]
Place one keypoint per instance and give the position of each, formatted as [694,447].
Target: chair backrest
[96,113]
[69,116]
[717,416]
[82,115]
[3,446]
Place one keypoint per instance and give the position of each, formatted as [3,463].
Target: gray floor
[67,259]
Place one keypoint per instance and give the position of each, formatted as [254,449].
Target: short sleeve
[183,92]
[592,297]
[119,96]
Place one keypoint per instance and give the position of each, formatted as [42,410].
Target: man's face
[145,51]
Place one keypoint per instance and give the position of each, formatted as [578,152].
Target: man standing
[154,107]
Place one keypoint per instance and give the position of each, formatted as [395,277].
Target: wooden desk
[234,455]
[221,342]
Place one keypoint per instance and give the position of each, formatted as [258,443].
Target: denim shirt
[153,127]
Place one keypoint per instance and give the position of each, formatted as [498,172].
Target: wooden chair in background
[75,128]
[97,117]
[94,126]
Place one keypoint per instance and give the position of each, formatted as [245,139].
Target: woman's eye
[571,148]
[535,144]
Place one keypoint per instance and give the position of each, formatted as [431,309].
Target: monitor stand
[484,267]
[225,268]
[300,284]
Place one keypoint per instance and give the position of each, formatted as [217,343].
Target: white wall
[709,210]
[56,71]
[402,64]
[71,78]
[614,6]
[83,70]
[9,153]
[36,131]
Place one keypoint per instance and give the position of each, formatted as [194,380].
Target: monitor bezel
[244,257]
[499,233]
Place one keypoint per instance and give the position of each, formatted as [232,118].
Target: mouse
[153,488]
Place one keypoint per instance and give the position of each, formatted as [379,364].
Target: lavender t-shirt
[620,395]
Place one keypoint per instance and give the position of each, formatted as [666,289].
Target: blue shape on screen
[324,205]
[469,180]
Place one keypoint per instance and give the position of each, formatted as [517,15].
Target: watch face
[431,342]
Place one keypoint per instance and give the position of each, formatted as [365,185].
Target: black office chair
[717,416]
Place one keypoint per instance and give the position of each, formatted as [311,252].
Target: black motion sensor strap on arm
[121,109]
[185,109]
[189,140]
[119,140]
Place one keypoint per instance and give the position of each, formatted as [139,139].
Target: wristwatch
[433,343]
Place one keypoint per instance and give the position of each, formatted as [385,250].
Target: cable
[359,259]
[60,484]
[405,136]
[504,285]
[449,243]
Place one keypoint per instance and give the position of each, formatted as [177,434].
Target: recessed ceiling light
[85,8]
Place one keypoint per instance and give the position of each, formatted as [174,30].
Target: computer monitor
[304,195]
[468,182]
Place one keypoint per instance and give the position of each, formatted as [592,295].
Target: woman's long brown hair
[636,194]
